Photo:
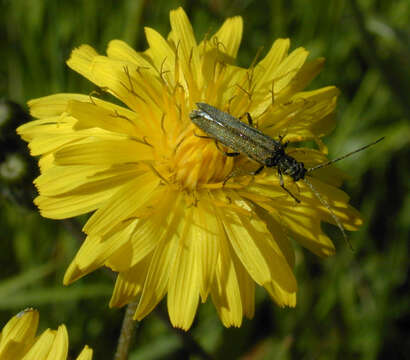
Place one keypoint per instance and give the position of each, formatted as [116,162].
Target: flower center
[197,161]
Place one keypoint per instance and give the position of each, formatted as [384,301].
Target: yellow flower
[18,340]
[164,219]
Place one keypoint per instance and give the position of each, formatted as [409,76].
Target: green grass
[354,305]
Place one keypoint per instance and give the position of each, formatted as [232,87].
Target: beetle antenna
[344,156]
[331,212]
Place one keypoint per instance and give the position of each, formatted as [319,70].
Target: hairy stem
[127,331]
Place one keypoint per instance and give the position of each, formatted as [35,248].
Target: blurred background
[354,305]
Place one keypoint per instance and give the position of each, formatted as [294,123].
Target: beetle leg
[250,121]
[258,170]
[230,154]
[282,185]
[202,136]
[231,175]
[248,117]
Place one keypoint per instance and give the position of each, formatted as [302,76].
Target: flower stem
[127,331]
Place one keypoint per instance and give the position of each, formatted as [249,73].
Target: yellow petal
[246,288]
[50,345]
[304,76]
[117,110]
[71,205]
[104,152]
[162,55]
[76,270]
[42,346]
[304,225]
[289,68]
[86,354]
[127,200]
[53,105]
[156,284]
[53,125]
[146,235]
[129,283]
[59,348]
[225,292]
[125,82]
[279,235]
[79,179]
[252,243]
[302,116]
[95,250]
[142,242]
[88,115]
[18,334]
[280,296]
[46,162]
[337,201]
[183,285]
[81,60]
[120,50]
[183,34]
[263,72]
[229,36]
[53,140]
[263,91]
[206,233]
[111,75]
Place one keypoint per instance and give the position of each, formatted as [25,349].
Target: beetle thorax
[288,165]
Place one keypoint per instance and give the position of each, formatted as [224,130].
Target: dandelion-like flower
[18,340]
[165,218]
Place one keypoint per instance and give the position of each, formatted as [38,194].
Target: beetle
[245,139]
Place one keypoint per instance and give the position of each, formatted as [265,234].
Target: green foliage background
[354,305]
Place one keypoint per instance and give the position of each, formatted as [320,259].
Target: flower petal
[49,126]
[110,118]
[114,76]
[156,283]
[50,345]
[304,76]
[125,204]
[305,116]
[252,243]
[279,235]
[226,292]
[80,179]
[183,285]
[71,205]
[53,105]
[81,60]
[86,354]
[206,232]
[246,287]
[18,334]
[281,296]
[95,250]
[184,38]
[288,68]
[104,152]
[162,55]
[59,348]
[264,70]
[50,141]
[149,231]
[130,283]
[120,50]
[229,36]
